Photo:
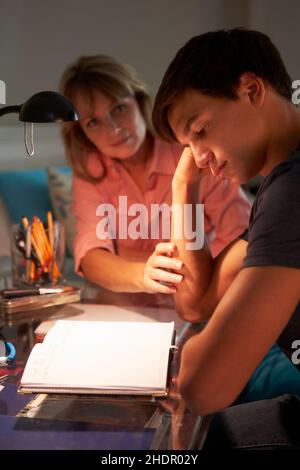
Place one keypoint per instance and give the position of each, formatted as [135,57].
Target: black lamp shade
[47,106]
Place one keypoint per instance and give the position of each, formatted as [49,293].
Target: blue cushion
[60,191]
[274,376]
[25,192]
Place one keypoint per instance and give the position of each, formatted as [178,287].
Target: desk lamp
[45,106]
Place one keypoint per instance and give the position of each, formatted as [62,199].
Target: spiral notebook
[101,358]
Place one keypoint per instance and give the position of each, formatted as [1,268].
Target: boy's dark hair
[212,63]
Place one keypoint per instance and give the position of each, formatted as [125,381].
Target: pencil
[32,270]
[28,252]
[51,241]
[34,241]
[50,231]
[25,222]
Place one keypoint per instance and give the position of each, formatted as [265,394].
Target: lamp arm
[10,109]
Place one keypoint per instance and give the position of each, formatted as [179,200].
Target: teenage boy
[226,96]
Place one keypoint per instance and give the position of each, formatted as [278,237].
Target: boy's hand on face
[187,171]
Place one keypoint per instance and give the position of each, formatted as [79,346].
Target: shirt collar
[164,159]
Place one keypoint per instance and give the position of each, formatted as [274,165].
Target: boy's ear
[252,88]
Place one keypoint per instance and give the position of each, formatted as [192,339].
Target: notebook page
[102,355]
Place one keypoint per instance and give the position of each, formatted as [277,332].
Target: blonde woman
[121,170]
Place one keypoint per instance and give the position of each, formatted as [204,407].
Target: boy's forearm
[197,263]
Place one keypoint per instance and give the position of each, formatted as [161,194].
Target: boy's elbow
[191,313]
[203,401]
[197,402]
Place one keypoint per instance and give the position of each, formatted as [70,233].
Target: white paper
[118,356]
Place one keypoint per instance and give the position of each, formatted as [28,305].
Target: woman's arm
[112,272]
[97,258]
[121,275]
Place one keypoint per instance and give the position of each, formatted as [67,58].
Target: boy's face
[227,135]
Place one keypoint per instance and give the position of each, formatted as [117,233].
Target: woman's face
[116,128]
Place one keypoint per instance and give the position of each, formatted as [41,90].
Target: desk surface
[166,423]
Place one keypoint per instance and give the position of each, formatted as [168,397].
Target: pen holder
[37,256]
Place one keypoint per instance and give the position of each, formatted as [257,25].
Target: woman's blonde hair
[113,79]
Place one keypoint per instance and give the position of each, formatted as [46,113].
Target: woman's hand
[162,270]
